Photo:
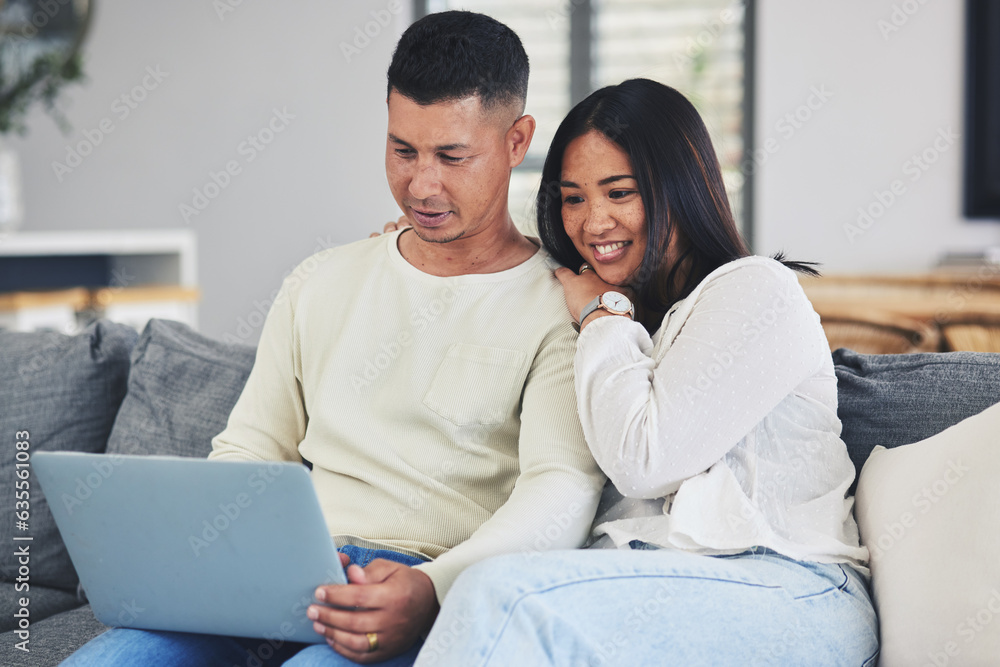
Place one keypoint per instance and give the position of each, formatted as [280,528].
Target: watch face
[616,302]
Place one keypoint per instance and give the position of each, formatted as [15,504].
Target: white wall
[320,182]
[893,91]
[322,179]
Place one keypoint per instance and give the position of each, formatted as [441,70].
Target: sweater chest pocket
[477,385]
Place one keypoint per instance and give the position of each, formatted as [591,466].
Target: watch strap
[588,309]
[597,303]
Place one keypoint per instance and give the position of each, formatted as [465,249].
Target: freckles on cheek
[573,228]
[573,231]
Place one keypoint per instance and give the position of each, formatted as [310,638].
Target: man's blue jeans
[609,607]
[125,646]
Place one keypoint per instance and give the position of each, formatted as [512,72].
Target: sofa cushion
[54,639]
[897,399]
[63,392]
[42,603]
[928,513]
[181,389]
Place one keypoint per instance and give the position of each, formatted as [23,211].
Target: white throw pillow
[929,513]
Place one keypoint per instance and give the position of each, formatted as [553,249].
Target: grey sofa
[169,390]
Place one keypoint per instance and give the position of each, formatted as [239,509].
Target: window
[577,46]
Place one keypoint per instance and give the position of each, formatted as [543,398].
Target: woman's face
[601,207]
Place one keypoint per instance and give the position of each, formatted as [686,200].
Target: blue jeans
[127,646]
[606,607]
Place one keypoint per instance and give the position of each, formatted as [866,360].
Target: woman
[711,406]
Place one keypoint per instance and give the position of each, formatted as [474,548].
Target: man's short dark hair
[456,54]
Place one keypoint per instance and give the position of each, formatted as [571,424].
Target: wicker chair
[877,332]
[940,311]
[980,333]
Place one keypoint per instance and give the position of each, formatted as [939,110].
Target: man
[437,360]
[426,374]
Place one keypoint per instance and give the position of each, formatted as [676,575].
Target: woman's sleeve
[750,338]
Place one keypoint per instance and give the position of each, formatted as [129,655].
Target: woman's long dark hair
[679,181]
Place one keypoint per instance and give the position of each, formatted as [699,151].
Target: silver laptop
[216,547]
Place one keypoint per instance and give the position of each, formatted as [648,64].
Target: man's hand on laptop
[386,604]
[392,226]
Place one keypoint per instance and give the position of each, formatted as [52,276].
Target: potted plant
[39,56]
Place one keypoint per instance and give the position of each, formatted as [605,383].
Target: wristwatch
[615,303]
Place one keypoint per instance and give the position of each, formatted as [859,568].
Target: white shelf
[156,256]
[137,259]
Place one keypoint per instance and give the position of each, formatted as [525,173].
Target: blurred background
[205,149]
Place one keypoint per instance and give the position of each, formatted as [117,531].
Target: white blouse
[720,432]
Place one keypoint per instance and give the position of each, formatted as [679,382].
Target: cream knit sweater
[439,413]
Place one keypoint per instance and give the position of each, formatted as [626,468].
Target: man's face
[448,165]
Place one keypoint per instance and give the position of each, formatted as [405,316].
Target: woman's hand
[392,226]
[582,288]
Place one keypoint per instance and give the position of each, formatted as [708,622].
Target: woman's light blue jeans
[126,646]
[608,607]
